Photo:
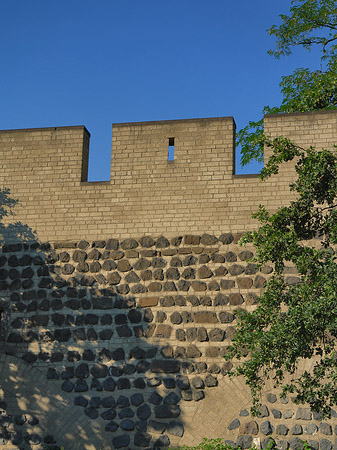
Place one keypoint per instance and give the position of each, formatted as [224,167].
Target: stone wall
[113,333]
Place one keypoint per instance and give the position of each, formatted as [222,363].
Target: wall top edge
[70,127]
[308,113]
[164,122]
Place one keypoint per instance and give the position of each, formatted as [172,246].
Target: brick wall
[45,169]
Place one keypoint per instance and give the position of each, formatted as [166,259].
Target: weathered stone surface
[244,441]
[250,427]
[167,411]
[260,282]
[193,352]
[266,427]
[311,428]
[296,444]
[303,414]
[163,331]
[325,444]
[226,238]
[297,429]
[263,411]
[325,428]
[216,335]
[244,283]
[204,272]
[226,317]
[235,299]
[202,335]
[205,317]
[282,430]
[165,366]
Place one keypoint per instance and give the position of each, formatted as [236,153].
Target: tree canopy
[310,23]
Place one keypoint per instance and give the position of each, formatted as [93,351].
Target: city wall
[118,298]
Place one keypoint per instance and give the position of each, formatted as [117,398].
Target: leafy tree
[310,23]
[296,318]
[295,321]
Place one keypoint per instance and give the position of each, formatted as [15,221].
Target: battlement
[149,190]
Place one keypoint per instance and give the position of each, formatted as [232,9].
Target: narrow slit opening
[170,156]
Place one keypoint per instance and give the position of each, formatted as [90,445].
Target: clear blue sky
[94,63]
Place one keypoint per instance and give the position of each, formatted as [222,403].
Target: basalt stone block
[193,352]
[208,239]
[263,412]
[191,334]
[99,370]
[202,335]
[172,398]
[121,319]
[68,373]
[114,278]
[62,335]
[244,283]
[158,274]
[89,355]
[188,273]
[144,412]
[220,300]
[226,317]
[166,411]
[325,444]
[213,286]
[123,383]
[226,238]
[251,269]
[96,385]
[282,430]
[297,429]
[236,269]
[268,443]
[236,299]
[260,282]
[67,386]
[137,353]
[180,335]
[303,414]
[106,334]
[250,427]
[165,366]
[230,257]
[28,272]
[190,260]
[87,280]
[216,335]
[200,367]
[111,426]
[194,300]
[205,272]
[197,383]
[139,289]
[199,286]
[167,351]
[227,284]
[81,386]
[205,317]
[82,371]
[161,316]
[149,332]
[325,428]
[124,331]
[142,366]
[163,331]
[220,271]
[155,398]
[109,414]
[132,277]
[276,413]
[266,427]
[211,381]
[198,395]
[206,300]
[311,428]
[218,258]
[187,317]
[129,244]
[244,441]
[127,412]
[91,334]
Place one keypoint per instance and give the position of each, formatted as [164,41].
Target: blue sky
[95,63]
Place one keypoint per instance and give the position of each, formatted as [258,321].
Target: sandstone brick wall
[46,171]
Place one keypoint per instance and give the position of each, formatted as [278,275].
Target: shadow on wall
[76,365]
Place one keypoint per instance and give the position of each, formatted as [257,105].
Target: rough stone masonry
[117,299]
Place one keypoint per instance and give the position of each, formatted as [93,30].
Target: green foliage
[310,23]
[295,322]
